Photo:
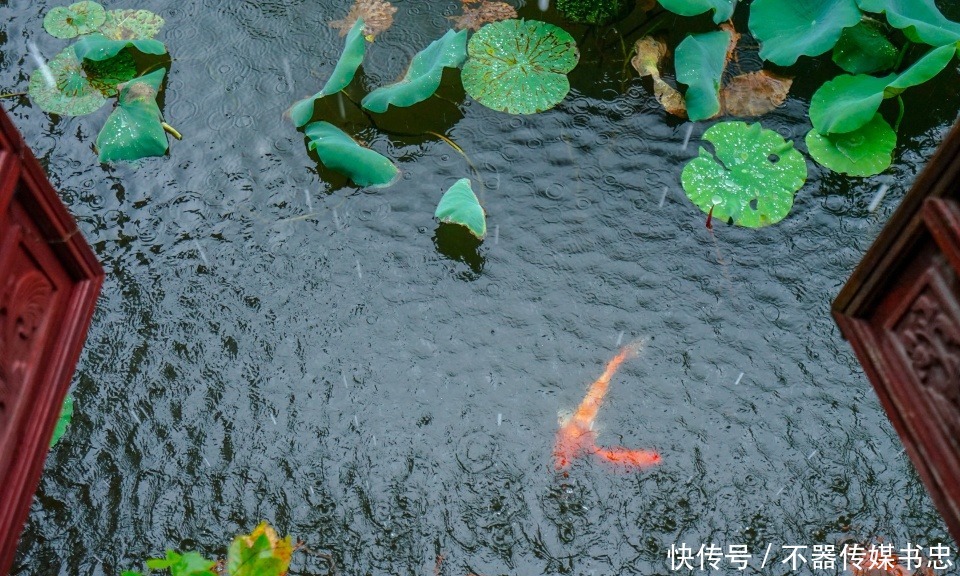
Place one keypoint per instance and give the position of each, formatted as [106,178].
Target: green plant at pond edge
[519,66]
[135,128]
[66,415]
[459,205]
[866,151]
[340,152]
[700,61]
[722,9]
[594,11]
[423,76]
[751,178]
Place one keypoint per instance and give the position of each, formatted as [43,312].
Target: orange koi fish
[576,437]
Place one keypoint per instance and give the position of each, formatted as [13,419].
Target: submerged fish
[576,437]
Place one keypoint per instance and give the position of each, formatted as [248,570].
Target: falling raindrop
[306,194]
[878,197]
[544,5]
[740,377]
[664,196]
[288,73]
[686,138]
[42,64]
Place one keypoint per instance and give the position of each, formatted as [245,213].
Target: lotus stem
[896,126]
[903,52]
[171,130]
[12,94]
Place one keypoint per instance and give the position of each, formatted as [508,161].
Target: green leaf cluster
[594,11]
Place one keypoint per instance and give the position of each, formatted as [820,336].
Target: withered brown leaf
[649,53]
[377,16]
[486,12]
[754,93]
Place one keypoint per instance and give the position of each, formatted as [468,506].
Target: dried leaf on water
[754,93]
[131,25]
[650,52]
[485,12]
[377,16]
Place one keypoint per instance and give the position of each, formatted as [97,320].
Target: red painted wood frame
[900,310]
[49,282]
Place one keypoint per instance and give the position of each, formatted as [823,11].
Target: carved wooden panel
[901,312]
[49,281]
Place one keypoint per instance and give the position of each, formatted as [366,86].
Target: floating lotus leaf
[519,66]
[863,49]
[66,414]
[863,152]
[106,75]
[722,9]
[846,103]
[459,205]
[187,564]
[97,47]
[340,152]
[71,93]
[485,13]
[594,11]
[423,76]
[73,20]
[754,93]
[131,25]
[134,129]
[920,20]
[261,553]
[752,179]
[342,75]
[788,29]
[700,60]
[377,16]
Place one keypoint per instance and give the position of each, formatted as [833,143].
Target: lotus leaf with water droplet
[459,205]
[722,9]
[71,93]
[750,179]
[863,152]
[73,20]
[340,152]
[788,29]
[519,66]
[131,25]
[134,129]
[97,47]
[863,49]
[920,20]
[423,76]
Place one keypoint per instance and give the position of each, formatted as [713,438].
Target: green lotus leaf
[186,564]
[723,9]
[920,20]
[134,129]
[594,11]
[73,20]
[106,75]
[423,77]
[788,29]
[459,205]
[863,49]
[131,25]
[97,47]
[66,414]
[342,75]
[519,66]
[846,103]
[340,152]
[752,179]
[261,553]
[71,93]
[700,60]
[863,152]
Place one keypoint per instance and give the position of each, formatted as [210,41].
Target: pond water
[272,343]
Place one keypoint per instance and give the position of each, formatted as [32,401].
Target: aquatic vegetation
[576,437]
[594,11]
[751,179]
[66,415]
[701,59]
[73,20]
[863,49]
[97,47]
[865,151]
[135,128]
[920,20]
[340,78]
[71,93]
[342,153]
[459,205]
[519,66]
[788,29]
[377,16]
[423,76]
[485,12]
[722,9]
[649,54]
[131,25]
[754,93]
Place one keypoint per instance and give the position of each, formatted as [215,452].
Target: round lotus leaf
[73,20]
[459,205]
[752,178]
[788,29]
[863,152]
[105,75]
[131,25]
[67,91]
[519,66]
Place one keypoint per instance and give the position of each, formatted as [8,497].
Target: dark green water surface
[272,343]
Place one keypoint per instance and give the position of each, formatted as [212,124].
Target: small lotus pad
[70,93]
[74,20]
[459,205]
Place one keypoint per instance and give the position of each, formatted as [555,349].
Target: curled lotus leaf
[519,66]
[863,49]
[754,93]
[377,16]
[106,75]
[920,20]
[343,73]
[866,151]
[700,61]
[750,179]
[66,91]
[788,29]
[338,151]
[74,20]
[722,9]
[66,415]
[485,12]
[423,76]
[459,205]
[98,47]
[134,129]
[131,25]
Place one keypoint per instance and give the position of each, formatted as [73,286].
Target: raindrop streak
[273,419]
[336,219]
[739,378]
[499,419]
[203,255]
[779,491]
[359,273]
[878,197]
[311,490]
[135,417]
[207,462]
[544,5]
[306,194]
[356,422]
[664,197]
[344,376]
[619,338]
[42,64]
[811,454]
[686,139]
[288,73]
[496,234]
[373,439]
